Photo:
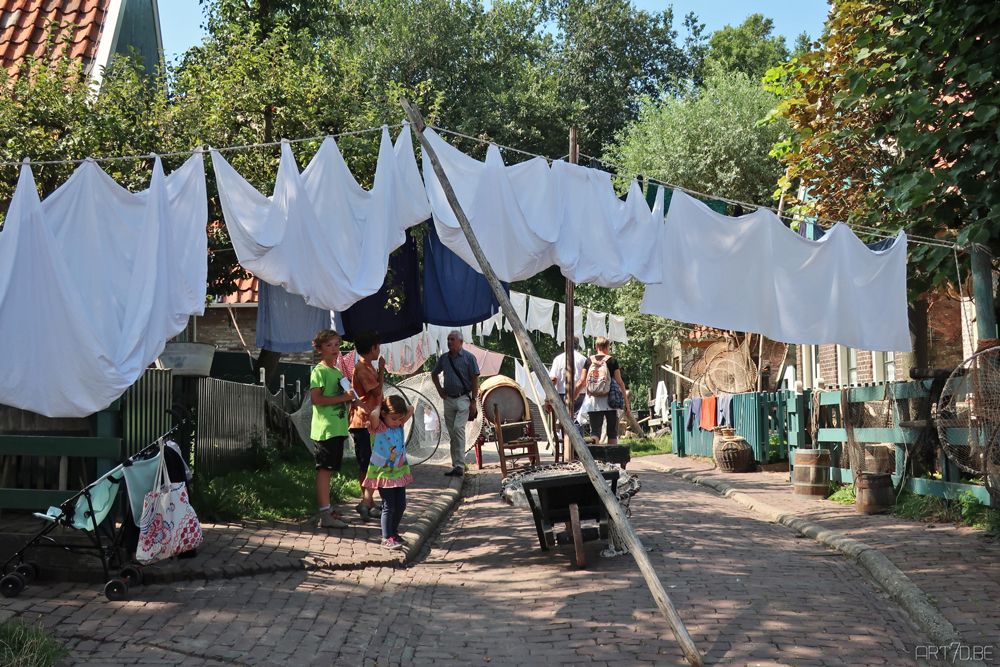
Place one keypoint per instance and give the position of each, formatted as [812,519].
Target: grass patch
[664,445]
[281,488]
[24,645]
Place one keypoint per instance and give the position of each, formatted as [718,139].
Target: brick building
[230,323]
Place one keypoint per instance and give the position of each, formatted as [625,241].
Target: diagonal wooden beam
[600,484]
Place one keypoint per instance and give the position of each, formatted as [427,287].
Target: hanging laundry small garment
[616,329]
[534,390]
[754,274]
[376,312]
[509,208]
[708,413]
[660,402]
[455,294]
[466,332]
[596,324]
[692,415]
[322,235]
[285,322]
[577,323]
[540,313]
[724,407]
[520,303]
[489,362]
[120,273]
[486,327]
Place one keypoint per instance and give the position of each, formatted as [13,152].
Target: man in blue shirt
[459,391]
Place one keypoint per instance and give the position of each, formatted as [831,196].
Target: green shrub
[24,645]
[842,494]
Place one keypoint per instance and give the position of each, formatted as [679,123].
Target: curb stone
[428,522]
[893,580]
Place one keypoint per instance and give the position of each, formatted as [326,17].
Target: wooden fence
[781,422]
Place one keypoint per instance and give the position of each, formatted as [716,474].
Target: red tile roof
[28,26]
[246,292]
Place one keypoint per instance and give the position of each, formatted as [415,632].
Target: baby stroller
[88,511]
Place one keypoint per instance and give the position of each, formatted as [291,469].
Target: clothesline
[873,231]
[919,240]
[200,149]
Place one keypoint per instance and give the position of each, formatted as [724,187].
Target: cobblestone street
[750,593]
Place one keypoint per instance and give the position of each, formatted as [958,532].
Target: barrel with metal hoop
[811,474]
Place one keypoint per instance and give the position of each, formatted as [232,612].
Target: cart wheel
[131,575]
[11,585]
[116,590]
[28,570]
[574,519]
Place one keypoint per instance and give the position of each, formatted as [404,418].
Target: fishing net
[512,491]
[869,420]
[423,433]
[967,417]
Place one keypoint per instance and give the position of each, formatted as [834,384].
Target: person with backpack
[606,389]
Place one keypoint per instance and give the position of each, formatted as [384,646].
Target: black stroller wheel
[116,590]
[28,570]
[11,585]
[131,575]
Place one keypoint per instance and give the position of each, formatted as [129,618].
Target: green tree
[893,123]
[707,139]
[610,54]
[751,48]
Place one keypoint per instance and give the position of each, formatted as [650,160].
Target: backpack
[598,378]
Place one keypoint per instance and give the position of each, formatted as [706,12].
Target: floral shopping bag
[169,525]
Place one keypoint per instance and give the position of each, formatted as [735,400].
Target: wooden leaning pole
[565,417]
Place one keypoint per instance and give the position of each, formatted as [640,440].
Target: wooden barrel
[504,394]
[873,493]
[811,474]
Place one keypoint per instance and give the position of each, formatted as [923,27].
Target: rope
[199,149]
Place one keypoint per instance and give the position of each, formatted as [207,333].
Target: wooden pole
[982,291]
[579,447]
[570,334]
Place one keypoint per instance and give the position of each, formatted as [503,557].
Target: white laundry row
[121,272]
[536,313]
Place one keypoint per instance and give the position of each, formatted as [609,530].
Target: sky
[181,20]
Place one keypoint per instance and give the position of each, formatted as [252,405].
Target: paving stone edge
[428,522]
[893,580]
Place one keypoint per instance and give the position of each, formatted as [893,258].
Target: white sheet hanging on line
[521,378]
[602,240]
[596,324]
[509,208]
[540,313]
[754,274]
[520,303]
[118,272]
[577,323]
[322,235]
[616,329]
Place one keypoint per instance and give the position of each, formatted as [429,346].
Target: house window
[817,374]
[852,366]
[889,366]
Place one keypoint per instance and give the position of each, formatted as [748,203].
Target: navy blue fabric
[692,414]
[455,294]
[285,322]
[377,313]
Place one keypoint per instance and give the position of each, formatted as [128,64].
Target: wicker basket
[722,433]
[734,455]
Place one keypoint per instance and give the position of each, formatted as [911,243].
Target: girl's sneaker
[332,520]
[364,511]
[391,543]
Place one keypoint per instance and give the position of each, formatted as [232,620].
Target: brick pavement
[236,550]
[957,567]
[750,592]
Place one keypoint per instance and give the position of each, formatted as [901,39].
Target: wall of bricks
[216,326]
[828,364]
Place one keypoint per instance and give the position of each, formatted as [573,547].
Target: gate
[231,423]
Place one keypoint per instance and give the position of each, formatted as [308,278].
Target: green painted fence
[785,417]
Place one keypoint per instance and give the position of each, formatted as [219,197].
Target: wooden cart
[569,498]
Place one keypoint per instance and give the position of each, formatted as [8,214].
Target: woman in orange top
[367,384]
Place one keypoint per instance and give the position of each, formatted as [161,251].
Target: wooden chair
[516,441]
